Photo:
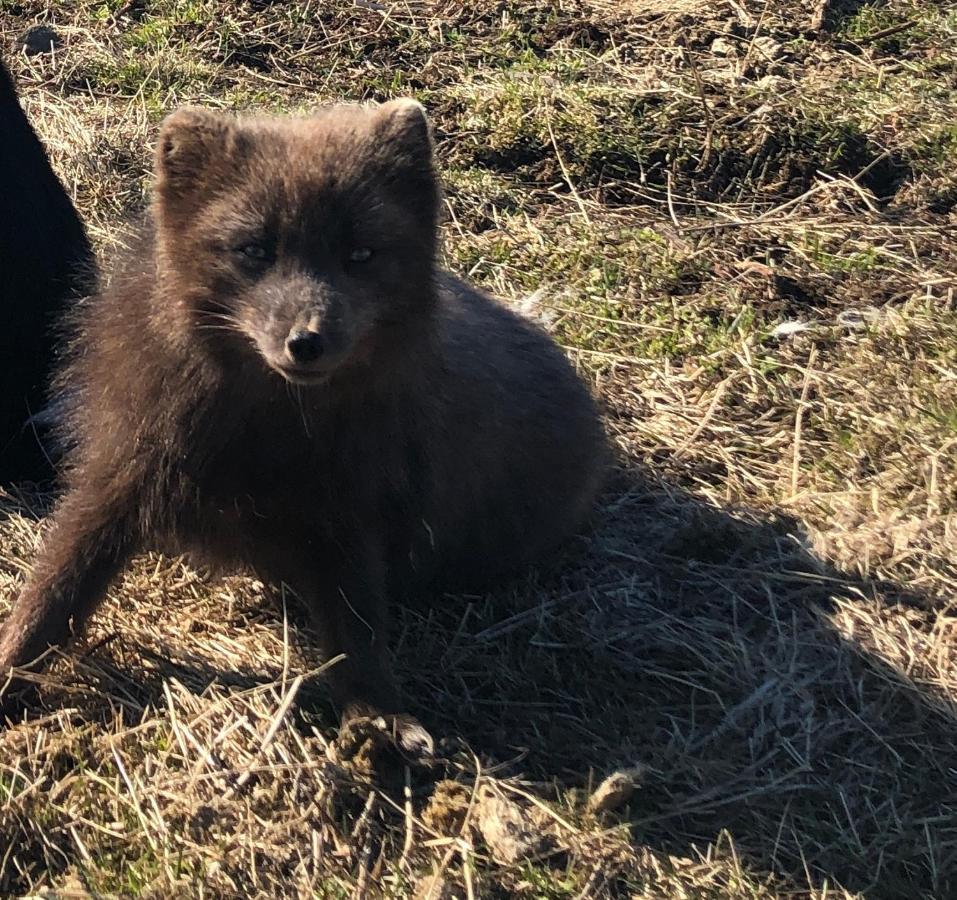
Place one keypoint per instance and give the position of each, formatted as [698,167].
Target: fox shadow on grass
[715,649]
[710,647]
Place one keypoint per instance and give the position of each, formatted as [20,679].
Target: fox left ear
[189,139]
[403,132]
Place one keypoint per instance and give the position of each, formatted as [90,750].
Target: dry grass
[739,217]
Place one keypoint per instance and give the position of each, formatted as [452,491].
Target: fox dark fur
[280,377]
[45,260]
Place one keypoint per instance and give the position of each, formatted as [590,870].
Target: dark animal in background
[45,261]
[279,376]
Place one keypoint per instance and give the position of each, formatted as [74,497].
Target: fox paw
[371,744]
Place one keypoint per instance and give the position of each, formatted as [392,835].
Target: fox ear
[188,140]
[404,135]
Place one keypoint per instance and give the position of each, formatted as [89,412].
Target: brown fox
[279,377]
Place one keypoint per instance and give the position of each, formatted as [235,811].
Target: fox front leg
[348,606]
[88,544]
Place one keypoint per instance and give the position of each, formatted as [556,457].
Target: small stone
[511,832]
[789,329]
[722,47]
[770,84]
[616,790]
[767,47]
[40,39]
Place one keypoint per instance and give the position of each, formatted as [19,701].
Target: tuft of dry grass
[739,220]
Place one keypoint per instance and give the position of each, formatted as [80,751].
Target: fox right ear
[189,138]
[403,134]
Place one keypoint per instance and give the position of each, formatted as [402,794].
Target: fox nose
[304,347]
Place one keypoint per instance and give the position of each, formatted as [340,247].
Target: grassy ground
[739,217]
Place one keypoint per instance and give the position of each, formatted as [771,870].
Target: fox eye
[360,255]
[254,252]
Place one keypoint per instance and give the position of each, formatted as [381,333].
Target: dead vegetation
[739,217]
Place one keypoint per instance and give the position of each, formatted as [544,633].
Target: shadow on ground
[711,647]
[714,648]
